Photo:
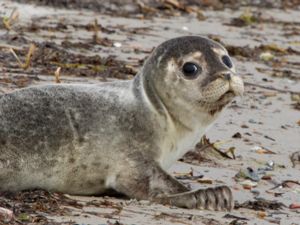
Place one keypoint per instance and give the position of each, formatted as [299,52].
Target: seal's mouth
[229,92]
[226,96]
[225,99]
[217,106]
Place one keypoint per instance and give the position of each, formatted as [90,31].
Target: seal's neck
[144,89]
[183,124]
[183,115]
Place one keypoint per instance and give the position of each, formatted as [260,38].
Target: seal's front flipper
[147,183]
[219,199]
[157,185]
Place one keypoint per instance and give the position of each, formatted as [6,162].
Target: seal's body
[123,135]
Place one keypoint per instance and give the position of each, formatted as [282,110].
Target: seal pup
[84,139]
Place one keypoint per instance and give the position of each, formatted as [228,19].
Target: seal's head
[194,73]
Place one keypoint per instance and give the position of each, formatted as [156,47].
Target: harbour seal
[84,139]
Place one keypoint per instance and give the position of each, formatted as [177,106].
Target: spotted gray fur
[123,135]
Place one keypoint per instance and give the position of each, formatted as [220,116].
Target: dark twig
[271,88]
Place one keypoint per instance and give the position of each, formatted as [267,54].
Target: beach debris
[8,22]
[29,206]
[229,153]
[275,48]
[145,9]
[57,75]
[279,73]
[246,18]
[269,138]
[262,150]
[209,152]
[295,158]
[205,181]
[248,184]
[294,206]
[241,52]
[296,105]
[24,217]
[188,176]
[266,177]
[269,93]
[6,215]
[275,193]
[200,15]
[260,204]
[255,193]
[247,173]
[269,166]
[117,44]
[249,177]
[185,28]
[295,97]
[291,184]
[238,222]
[106,203]
[237,135]
[96,31]
[49,55]
[230,216]
[266,56]
[261,214]
[174,3]
[114,223]
[28,58]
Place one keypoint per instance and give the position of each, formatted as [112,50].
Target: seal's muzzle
[225,83]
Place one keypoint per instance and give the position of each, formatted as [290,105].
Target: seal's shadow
[113,193]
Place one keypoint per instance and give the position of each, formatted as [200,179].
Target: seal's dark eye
[191,70]
[226,60]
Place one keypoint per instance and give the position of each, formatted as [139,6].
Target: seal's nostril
[227,76]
